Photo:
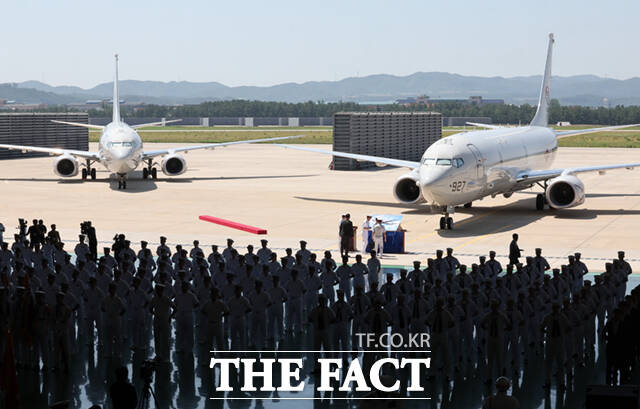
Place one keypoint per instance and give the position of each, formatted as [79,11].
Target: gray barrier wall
[36,129]
[397,135]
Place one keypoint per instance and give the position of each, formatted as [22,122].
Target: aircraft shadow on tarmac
[135,183]
[490,219]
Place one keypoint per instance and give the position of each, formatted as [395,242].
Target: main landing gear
[122,181]
[446,222]
[541,198]
[149,170]
[88,171]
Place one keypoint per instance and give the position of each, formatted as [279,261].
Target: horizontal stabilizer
[564,134]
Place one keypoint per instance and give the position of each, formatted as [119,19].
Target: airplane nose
[431,176]
[120,154]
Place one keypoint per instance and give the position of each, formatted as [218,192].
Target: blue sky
[268,42]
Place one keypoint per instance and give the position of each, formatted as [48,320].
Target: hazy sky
[268,42]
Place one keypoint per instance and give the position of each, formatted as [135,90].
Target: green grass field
[628,138]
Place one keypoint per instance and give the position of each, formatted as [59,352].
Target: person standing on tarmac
[366,228]
[515,252]
[346,235]
[379,237]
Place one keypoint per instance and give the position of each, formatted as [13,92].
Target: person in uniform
[345,274]
[501,400]
[496,324]
[303,253]
[295,290]
[278,297]
[344,314]
[53,235]
[162,248]
[379,237]
[162,309]
[113,310]
[239,308]
[260,303]
[93,297]
[214,312]
[321,318]
[374,268]
[554,326]
[138,311]
[366,228]
[41,330]
[515,252]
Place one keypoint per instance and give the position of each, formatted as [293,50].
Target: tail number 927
[458,186]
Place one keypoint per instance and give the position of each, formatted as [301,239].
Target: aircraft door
[480,171]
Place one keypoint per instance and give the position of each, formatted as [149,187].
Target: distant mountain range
[588,90]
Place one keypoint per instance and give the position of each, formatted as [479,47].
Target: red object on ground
[9,376]
[233,225]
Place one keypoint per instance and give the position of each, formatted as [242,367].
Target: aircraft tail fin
[542,114]
[116,96]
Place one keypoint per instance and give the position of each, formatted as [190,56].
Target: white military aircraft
[468,166]
[120,149]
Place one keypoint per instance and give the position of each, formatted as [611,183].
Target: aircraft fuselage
[464,167]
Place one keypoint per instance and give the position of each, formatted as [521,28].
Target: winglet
[116,97]
[542,114]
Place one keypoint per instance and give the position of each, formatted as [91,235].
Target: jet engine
[65,166]
[174,165]
[407,190]
[565,191]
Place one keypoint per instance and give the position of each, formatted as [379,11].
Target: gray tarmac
[295,196]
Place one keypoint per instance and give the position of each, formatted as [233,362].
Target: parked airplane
[464,167]
[120,149]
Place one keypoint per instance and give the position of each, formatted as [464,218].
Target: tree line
[499,113]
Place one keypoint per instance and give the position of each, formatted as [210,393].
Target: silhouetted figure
[515,252]
[501,400]
[122,393]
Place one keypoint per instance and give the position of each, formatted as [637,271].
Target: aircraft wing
[151,154]
[100,127]
[52,151]
[542,175]
[488,126]
[564,134]
[154,123]
[358,157]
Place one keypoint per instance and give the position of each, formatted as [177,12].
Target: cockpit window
[428,161]
[443,162]
[458,162]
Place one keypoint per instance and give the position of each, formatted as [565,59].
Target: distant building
[425,100]
[563,123]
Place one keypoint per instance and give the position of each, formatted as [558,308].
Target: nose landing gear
[122,181]
[446,222]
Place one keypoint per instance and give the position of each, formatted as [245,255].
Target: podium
[394,243]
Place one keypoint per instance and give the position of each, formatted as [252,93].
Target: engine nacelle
[174,165]
[65,166]
[407,189]
[565,191]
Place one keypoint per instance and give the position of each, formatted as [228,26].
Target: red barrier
[233,225]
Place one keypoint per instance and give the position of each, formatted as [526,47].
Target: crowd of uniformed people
[483,316]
